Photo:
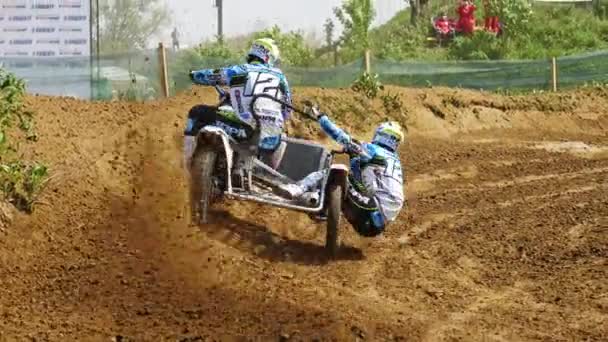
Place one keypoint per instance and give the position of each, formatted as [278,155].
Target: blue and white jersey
[375,171]
[246,81]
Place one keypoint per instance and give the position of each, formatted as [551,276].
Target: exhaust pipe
[311,198]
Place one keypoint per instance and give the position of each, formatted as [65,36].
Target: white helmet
[389,135]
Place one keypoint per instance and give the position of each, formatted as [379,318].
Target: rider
[375,182]
[259,75]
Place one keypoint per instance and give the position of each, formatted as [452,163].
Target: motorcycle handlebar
[288,105]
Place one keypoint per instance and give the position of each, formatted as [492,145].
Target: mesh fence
[340,76]
[137,75]
[494,75]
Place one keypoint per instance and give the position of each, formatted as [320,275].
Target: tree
[514,16]
[129,24]
[291,44]
[329,28]
[356,16]
[416,8]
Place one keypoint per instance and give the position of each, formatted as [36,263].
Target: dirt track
[505,237]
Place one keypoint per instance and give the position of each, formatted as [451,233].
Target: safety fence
[140,75]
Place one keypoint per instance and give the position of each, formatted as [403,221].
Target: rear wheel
[334,212]
[202,190]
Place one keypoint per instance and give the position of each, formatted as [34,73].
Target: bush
[20,182]
[481,45]
[294,51]
[555,32]
[136,91]
[368,85]
[215,50]
[515,17]
[392,103]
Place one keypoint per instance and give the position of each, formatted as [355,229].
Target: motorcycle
[222,167]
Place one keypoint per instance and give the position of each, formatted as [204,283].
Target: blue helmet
[388,135]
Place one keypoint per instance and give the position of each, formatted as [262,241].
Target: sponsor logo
[273,121]
[48,41]
[43,53]
[70,29]
[16,53]
[43,29]
[70,53]
[70,4]
[75,41]
[15,29]
[234,132]
[21,42]
[21,5]
[75,17]
[43,6]
[20,18]
[47,17]
[358,196]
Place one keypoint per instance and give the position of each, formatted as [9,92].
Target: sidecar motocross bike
[222,167]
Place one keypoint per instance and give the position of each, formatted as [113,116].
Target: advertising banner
[47,43]
[44,28]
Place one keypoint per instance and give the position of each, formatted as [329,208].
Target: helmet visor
[386,140]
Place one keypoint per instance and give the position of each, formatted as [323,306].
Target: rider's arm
[334,132]
[351,146]
[211,77]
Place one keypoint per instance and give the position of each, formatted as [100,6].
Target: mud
[505,236]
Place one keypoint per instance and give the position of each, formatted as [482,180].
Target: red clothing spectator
[491,11]
[443,25]
[466,22]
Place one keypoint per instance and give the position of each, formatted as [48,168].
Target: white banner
[44,28]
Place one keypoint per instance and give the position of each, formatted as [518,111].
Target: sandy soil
[505,237]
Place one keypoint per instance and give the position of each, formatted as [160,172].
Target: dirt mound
[505,236]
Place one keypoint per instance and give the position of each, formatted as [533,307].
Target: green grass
[552,32]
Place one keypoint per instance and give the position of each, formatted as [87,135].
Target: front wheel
[334,212]
[203,166]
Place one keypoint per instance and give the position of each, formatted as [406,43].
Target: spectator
[175,37]
[466,20]
[444,28]
[491,11]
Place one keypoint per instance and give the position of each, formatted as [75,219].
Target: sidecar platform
[301,158]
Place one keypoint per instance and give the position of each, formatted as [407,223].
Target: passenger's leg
[366,220]
[296,190]
[274,157]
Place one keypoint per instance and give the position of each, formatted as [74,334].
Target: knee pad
[378,220]
[366,223]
